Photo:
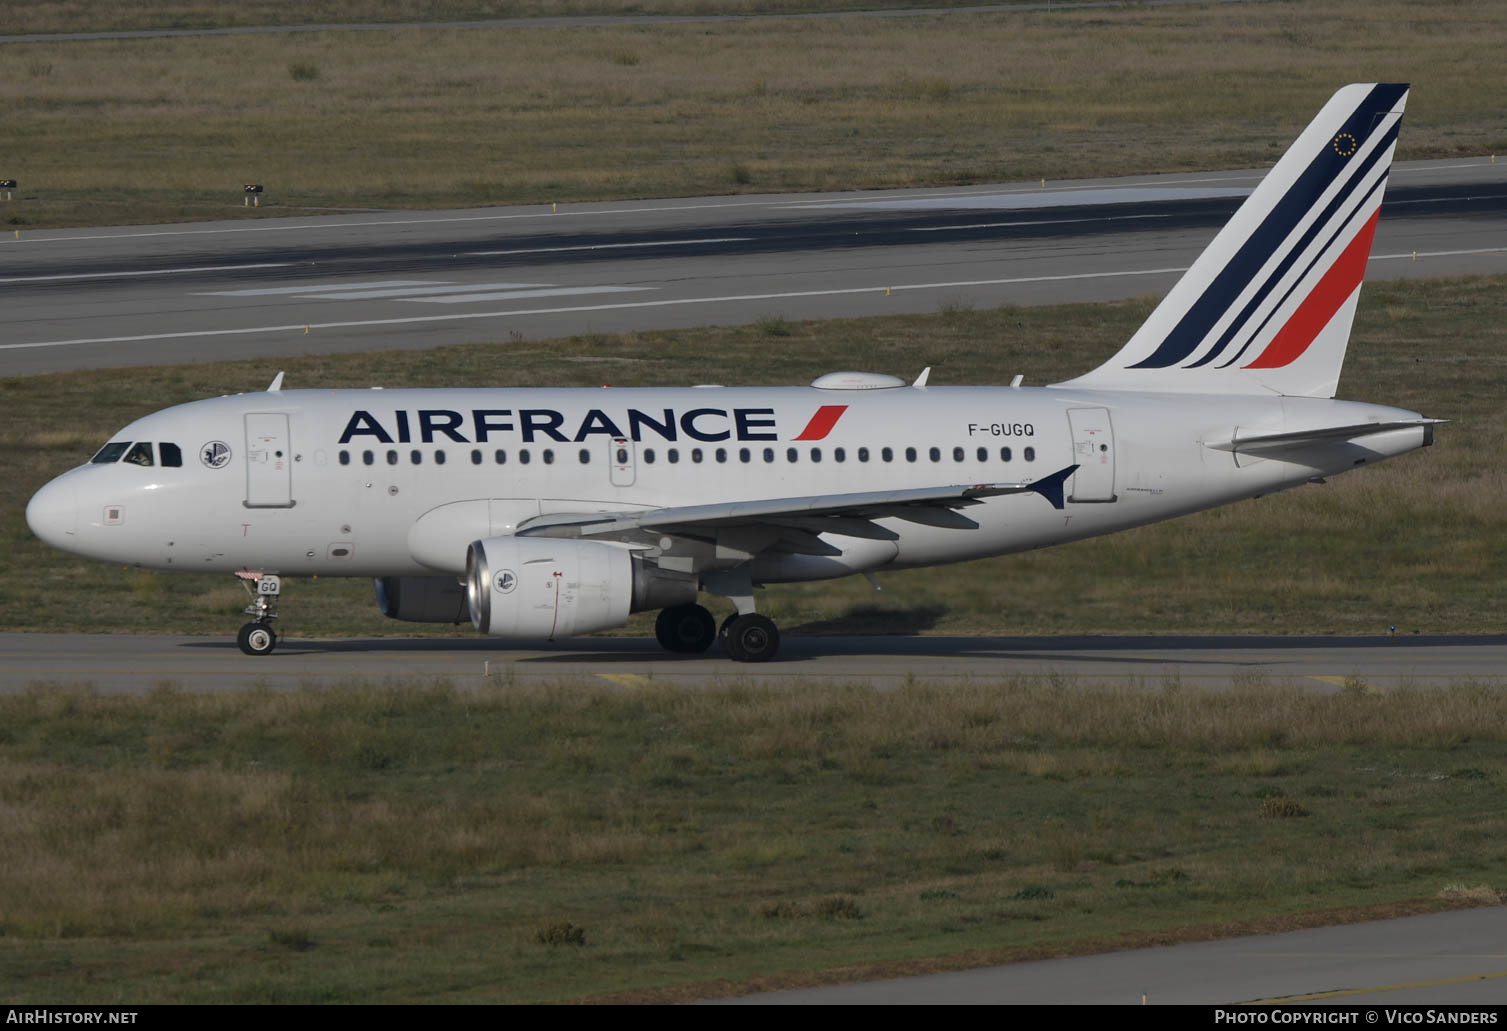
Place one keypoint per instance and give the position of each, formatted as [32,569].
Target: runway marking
[427,291]
[664,303]
[562,291]
[278,291]
[1340,993]
[1053,198]
[1032,222]
[610,246]
[669,302]
[341,293]
[1437,254]
[627,679]
[147,272]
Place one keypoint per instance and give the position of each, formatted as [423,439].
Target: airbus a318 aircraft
[543,513]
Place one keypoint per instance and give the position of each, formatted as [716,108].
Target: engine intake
[530,587]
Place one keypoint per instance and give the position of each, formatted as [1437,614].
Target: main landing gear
[686,629]
[689,629]
[258,637]
[750,637]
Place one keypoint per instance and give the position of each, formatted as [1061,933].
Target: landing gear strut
[746,636]
[685,628]
[258,637]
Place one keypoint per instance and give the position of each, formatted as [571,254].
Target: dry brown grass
[149,129]
[421,843]
[53,16]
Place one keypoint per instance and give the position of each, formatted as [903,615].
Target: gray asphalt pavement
[250,287]
[1457,959]
[135,664]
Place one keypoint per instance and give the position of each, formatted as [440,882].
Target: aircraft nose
[52,514]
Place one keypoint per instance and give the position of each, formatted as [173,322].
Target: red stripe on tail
[1343,279]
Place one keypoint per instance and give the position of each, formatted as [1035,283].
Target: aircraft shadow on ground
[813,641]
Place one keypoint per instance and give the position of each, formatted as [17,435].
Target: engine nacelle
[422,599]
[551,587]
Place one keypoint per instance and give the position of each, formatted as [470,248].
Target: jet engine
[550,587]
[422,599]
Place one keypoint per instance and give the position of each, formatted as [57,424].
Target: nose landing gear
[258,637]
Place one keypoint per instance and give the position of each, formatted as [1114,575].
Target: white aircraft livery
[543,513]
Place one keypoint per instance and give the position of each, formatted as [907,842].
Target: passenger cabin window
[110,452]
[140,454]
[1030,454]
[172,455]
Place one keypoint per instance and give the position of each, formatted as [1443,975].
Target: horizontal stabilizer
[1294,440]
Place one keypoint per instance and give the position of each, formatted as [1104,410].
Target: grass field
[53,16]
[533,844]
[107,132]
[1419,542]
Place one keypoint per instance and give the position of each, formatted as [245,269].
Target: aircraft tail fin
[1268,305]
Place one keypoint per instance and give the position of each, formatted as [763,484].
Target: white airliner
[545,513]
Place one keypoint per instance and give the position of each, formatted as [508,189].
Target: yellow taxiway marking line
[627,679]
[1365,686]
[1380,988]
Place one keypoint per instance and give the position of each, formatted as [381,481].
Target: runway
[373,280]
[1439,959]
[137,664]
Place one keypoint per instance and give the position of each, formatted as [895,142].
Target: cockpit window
[172,455]
[140,454]
[111,452]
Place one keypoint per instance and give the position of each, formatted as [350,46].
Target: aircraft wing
[852,515]
[1273,443]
